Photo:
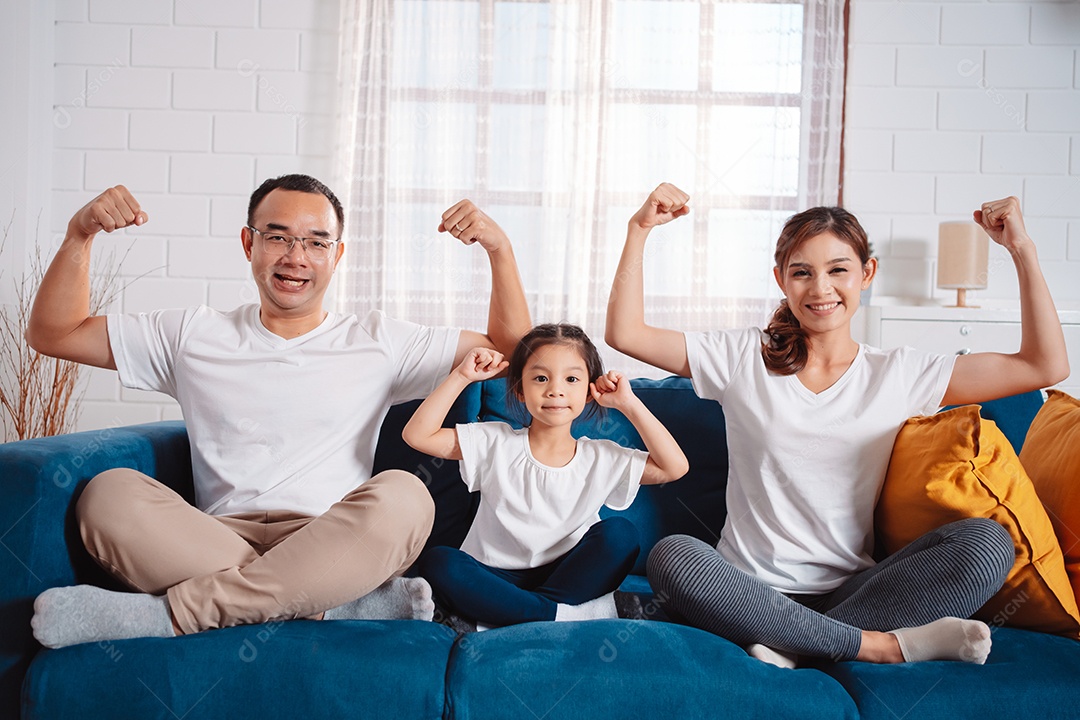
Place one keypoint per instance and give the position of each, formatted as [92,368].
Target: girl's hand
[663,205]
[612,390]
[481,364]
[1003,222]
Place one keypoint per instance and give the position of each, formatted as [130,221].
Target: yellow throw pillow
[956,465]
[1051,456]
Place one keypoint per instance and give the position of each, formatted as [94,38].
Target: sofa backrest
[40,481]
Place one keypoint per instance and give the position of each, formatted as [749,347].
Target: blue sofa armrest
[40,481]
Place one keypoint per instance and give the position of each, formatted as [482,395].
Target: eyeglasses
[318,249]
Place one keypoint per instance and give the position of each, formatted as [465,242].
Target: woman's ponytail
[784,350]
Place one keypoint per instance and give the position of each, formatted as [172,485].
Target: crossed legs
[218,572]
[876,615]
[496,597]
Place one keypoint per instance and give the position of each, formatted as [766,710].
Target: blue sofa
[411,669]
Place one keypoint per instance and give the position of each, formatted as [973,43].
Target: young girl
[537,549]
[811,419]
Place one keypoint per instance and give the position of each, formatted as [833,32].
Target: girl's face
[822,279]
[555,385]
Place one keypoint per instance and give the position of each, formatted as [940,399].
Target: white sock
[778,658]
[396,599]
[84,613]
[601,608]
[945,639]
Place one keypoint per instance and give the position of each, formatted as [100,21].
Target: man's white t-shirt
[530,513]
[279,424]
[805,470]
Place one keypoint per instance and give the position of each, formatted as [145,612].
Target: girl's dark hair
[785,351]
[542,336]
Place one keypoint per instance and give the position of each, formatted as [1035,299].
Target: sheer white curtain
[557,117]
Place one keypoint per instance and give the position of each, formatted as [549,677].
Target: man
[283,402]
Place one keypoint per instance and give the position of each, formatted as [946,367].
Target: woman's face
[822,279]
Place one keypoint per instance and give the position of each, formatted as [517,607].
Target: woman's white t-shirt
[279,424]
[804,469]
[530,513]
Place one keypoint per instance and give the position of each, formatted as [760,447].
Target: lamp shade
[963,256]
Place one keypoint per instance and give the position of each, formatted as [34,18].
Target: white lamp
[963,259]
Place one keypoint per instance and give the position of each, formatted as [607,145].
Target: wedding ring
[457,227]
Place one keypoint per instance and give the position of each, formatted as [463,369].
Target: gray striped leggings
[947,572]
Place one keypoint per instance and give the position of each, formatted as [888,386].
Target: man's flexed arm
[60,323]
[508,313]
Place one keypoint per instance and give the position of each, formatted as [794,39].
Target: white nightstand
[963,330]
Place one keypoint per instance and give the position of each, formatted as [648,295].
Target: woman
[811,419]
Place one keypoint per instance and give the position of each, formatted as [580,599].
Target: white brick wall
[251,50]
[1056,24]
[982,24]
[217,14]
[931,151]
[190,104]
[1025,153]
[171,130]
[964,101]
[129,12]
[131,88]
[213,90]
[1030,67]
[173,47]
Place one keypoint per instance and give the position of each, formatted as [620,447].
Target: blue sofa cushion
[627,669]
[694,505]
[296,669]
[1028,674]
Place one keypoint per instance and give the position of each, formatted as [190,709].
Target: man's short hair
[298,183]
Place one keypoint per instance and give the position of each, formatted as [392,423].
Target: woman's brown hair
[785,351]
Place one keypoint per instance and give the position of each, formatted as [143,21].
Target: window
[558,119]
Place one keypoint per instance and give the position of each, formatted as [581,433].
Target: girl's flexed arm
[424,431]
[666,461]
[626,330]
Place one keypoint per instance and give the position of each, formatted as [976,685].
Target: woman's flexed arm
[626,330]
[1042,359]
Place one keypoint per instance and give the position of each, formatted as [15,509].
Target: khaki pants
[252,567]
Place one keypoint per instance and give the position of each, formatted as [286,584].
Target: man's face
[292,283]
